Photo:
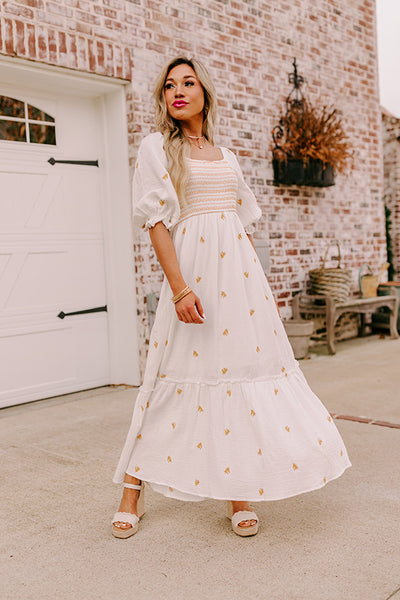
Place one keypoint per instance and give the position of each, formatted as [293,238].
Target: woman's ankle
[131,479]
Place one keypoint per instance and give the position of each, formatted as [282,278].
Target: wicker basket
[334,281]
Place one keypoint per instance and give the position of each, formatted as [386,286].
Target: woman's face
[184,94]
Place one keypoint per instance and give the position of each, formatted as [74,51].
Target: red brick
[42,42]
[31,39]
[8,36]
[20,38]
[387,424]
[52,46]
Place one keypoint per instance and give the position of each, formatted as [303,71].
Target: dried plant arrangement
[309,132]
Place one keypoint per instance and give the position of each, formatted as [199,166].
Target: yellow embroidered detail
[137,164]
[285,374]
[324,479]
[240,236]
[252,413]
[227,470]
[341,453]
[251,312]
[222,254]
[260,491]
[254,260]
[283,369]
[166,342]
[259,451]
[137,469]
[227,431]
[170,489]
[295,466]
[223,295]
[258,349]
[319,442]
[184,231]
[142,407]
[287,428]
[198,279]
[202,239]
[195,353]
[266,297]
[147,405]
[222,216]
[276,391]
[229,392]
[200,445]
[224,370]
[275,332]
[226,332]
[173,425]
[239,202]
[163,375]
[139,437]
[329,418]
[179,391]
[246,274]
[200,409]
[196,482]
[165,177]
[169,459]
[144,226]
[162,202]
[155,344]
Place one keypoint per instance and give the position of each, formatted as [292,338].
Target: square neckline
[209,161]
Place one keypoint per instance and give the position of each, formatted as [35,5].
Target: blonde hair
[176,145]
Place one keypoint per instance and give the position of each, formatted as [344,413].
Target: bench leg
[361,329]
[393,324]
[330,327]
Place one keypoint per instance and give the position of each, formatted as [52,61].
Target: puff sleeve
[154,197]
[247,208]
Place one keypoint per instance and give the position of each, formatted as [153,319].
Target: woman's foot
[242,505]
[128,501]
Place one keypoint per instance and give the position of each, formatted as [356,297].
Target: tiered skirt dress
[224,411]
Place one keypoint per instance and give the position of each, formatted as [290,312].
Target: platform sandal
[131,518]
[238,517]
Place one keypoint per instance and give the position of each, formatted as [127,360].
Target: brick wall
[248,46]
[391,165]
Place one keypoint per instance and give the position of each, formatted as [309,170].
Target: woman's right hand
[189,309]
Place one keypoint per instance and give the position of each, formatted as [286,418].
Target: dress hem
[201,498]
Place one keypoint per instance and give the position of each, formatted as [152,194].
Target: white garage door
[51,247]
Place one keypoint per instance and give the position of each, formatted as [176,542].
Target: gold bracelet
[181,294]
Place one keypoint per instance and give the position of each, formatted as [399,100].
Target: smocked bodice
[212,187]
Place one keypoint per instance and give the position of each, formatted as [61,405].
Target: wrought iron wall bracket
[62,314]
[88,163]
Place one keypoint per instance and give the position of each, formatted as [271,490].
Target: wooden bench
[306,304]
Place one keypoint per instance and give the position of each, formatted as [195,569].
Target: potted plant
[310,145]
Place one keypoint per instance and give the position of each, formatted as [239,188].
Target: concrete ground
[337,543]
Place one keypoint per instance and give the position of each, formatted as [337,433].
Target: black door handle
[62,314]
[90,163]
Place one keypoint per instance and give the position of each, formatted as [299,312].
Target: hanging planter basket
[292,171]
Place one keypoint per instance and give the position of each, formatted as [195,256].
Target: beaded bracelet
[181,294]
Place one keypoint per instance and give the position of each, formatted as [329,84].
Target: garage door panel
[76,204]
[63,278]
[20,191]
[46,358]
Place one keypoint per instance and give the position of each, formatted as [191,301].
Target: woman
[224,411]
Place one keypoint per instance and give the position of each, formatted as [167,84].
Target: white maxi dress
[224,411]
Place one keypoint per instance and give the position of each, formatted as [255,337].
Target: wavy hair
[176,145]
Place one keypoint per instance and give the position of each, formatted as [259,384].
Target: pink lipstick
[179,103]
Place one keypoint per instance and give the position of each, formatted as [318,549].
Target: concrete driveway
[337,543]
